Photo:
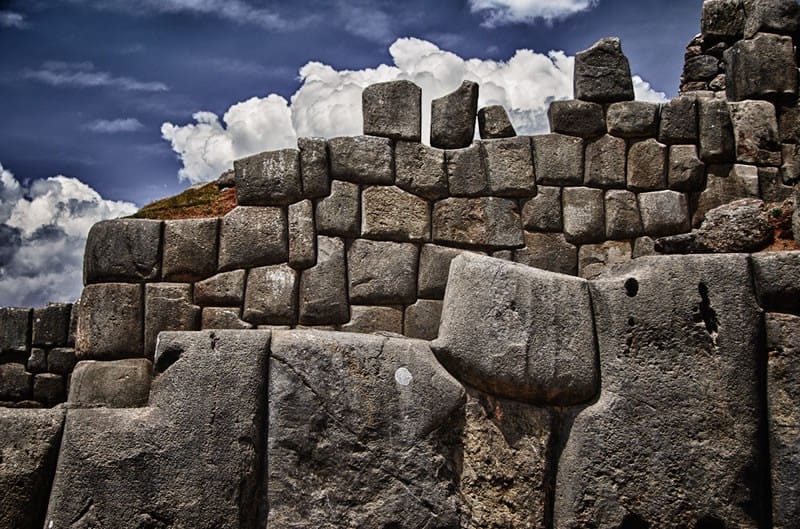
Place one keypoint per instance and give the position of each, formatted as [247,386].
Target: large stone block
[61,360]
[716,130]
[481,222]
[453,117]
[632,119]
[722,20]
[558,159]
[421,320]
[496,336]
[116,384]
[605,162]
[686,171]
[509,163]
[493,123]
[466,171]
[420,170]
[49,389]
[602,73]
[434,266]
[192,458]
[776,278]
[789,123]
[123,250]
[623,220]
[755,131]
[29,442]
[577,118]
[371,319]
[664,213]
[790,170]
[700,68]
[382,273]
[168,307]
[359,420]
[252,236]
[761,68]
[314,167]
[725,184]
[388,212]
[362,159]
[595,259]
[223,318]
[271,295]
[583,215]
[302,235]
[50,324]
[548,251]
[771,187]
[15,329]
[678,122]
[15,383]
[393,110]
[543,212]
[190,249]
[647,162]
[222,289]
[338,214]
[770,16]
[323,288]
[667,457]
[268,179]
[111,322]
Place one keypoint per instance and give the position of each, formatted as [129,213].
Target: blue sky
[87,86]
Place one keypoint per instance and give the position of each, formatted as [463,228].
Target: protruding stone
[583,215]
[558,159]
[15,382]
[111,322]
[722,20]
[623,220]
[123,250]
[602,73]
[420,170]
[15,329]
[647,166]
[391,213]
[51,324]
[271,295]
[775,275]
[664,213]
[605,162]
[716,130]
[61,360]
[302,236]
[323,287]
[270,178]
[225,289]
[632,119]
[422,319]
[594,259]
[643,246]
[339,213]
[770,16]
[382,273]
[577,118]
[314,167]
[466,171]
[190,249]
[434,267]
[755,129]
[493,123]
[252,236]
[761,68]
[370,319]
[168,307]
[223,318]
[497,343]
[49,389]
[548,251]
[453,117]
[116,384]
[543,212]
[393,110]
[700,68]
[725,184]
[362,159]
[686,170]
[509,164]
[483,222]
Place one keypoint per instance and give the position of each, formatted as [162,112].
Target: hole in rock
[709,522]
[708,314]
[168,356]
[631,287]
[633,521]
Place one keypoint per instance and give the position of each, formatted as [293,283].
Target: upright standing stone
[647,166]
[190,249]
[271,296]
[168,307]
[716,130]
[558,159]
[391,213]
[338,214]
[111,322]
[268,179]
[323,287]
[382,273]
[605,162]
[362,159]
[493,123]
[15,329]
[686,171]
[480,222]
[678,123]
[755,130]
[763,67]
[466,171]
[51,324]
[393,110]
[302,237]
[577,118]
[123,250]
[252,236]
[543,212]
[632,119]
[453,117]
[602,73]
[548,251]
[420,170]
[509,164]
[583,215]
[314,167]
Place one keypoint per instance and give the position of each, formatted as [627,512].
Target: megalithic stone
[493,122]
[453,117]
[393,110]
[763,67]
[602,73]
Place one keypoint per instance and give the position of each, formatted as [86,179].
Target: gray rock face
[421,320]
[646,166]
[771,16]
[577,118]
[190,459]
[190,249]
[338,214]
[269,178]
[223,318]
[543,212]
[382,273]
[453,117]
[360,420]
[783,393]
[393,110]
[668,458]
[420,170]
[700,68]
[484,222]
[168,307]
[15,383]
[632,119]
[271,296]
[49,389]
[771,186]
[110,322]
[50,324]
[314,163]
[61,360]
[725,184]
[775,275]
[623,220]
[722,20]
[509,164]
[796,215]
[29,441]
[790,170]
[789,123]
[602,73]
[548,251]
[123,250]
[390,213]
[755,131]
[498,342]
[302,235]
[466,171]
[664,213]
[595,259]
[716,130]
[15,333]
[252,236]
[116,384]
[370,319]
[37,361]
[761,68]
[323,287]
[558,159]
[434,266]
[678,122]
[605,162]
[493,123]
[221,290]
[686,171]
[583,215]
[362,159]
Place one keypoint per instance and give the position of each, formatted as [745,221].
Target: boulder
[115,384]
[509,164]
[271,295]
[480,222]
[755,130]
[605,162]
[362,159]
[252,236]
[421,320]
[302,235]
[558,159]
[420,170]
[493,123]
[123,250]
[323,287]
[678,122]
[50,324]
[583,215]
[647,166]
[632,119]
[314,164]
[453,117]
[168,307]
[466,171]
[548,251]
[269,178]
[623,220]
[761,68]
[390,213]
[393,110]
[664,213]
[15,329]
[716,130]
[370,319]
[602,73]
[577,118]
[338,213]
[382,273]
[111,322]
[221,290]
[190,249]
[543,212]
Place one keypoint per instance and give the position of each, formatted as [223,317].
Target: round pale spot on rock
[403,376]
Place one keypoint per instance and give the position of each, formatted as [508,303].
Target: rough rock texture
[725,184]
[434,266]
[302,235]
[360,421]
[123,250]
[269,178]
[115,384]
[339,213]
[223,318]
[252,236]
[796,215]
[499,341]
[453,117]
[558,159]
[577,118]
[190,249]
[389,213]
[605,162]
[602,73]
[314,163]
[493,123]
[486,222]
[420,170]
[393,110]
[678,123]
[421,320]
[370,319]
[15,382]
[221,290]
[61,360]
[50,324]
[583,215]
[664,213]
[382,273]
[716,130]
[361,159]
[761,68]
[755,130]
[722,20]
[594,259]
[647,166]
[773,16]
[632,119]
[168,307]
[190,459]
[509,164]
[623,220]
[543,212]
[686,171]
[29,441]
[271,295]
[110,322]
[466,171]
[775,275]
[668,458]
[49,389]
[323,287]
[548,251]
[15,324]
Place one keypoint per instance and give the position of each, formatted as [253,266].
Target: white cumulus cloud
[328,102]
[114,126]
[43,229]
[502,12]
[10,19]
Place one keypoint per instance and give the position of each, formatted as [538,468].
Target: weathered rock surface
[15,334]
[543,212]
[50,324]
[716,130]
[393,110]
[647,166]
[548,251]
[775,275]
[623,220]
[577,118]
[370,319]
[362,159]
[49,389]
[223,318]
[761,68]
[725,184]
[420,170]
[382,273]
[61,360]
[389,213]
[686,171]
[314,162]
[602,73]
[558,159]
[168,307]
[771,16]
[302,235]
[271,295]
[339,213]
[632,119]
[664,213]
[252,236]
[123,250]
[605,162]
[270,178]
[509,165]
[453,117]
[678,122]
[484,222]
[594,259]
[190,249]
[755,130]
[221,290]
[434,266]
[110,322]
[466,171]
[421,320]
[493,123]
[723,20]
[115,384]
[15,382]
[323,287]
[583,215]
